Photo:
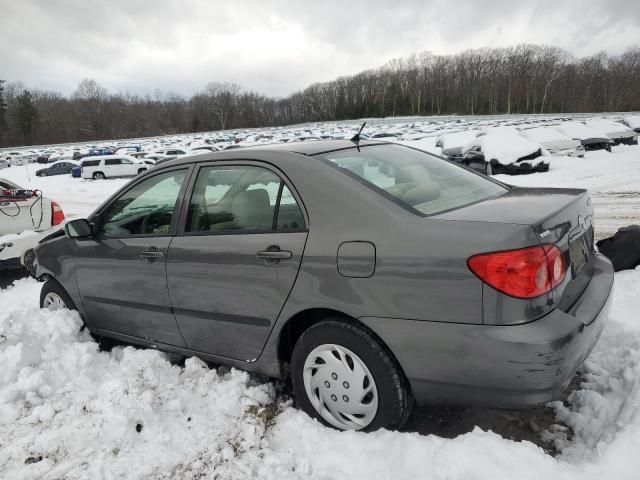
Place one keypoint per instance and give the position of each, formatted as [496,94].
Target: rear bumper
[515,366]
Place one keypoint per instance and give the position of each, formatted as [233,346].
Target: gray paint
[228,306]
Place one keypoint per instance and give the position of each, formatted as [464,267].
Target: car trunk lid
[562,217]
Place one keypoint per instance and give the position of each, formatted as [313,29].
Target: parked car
[554,141]
[4,164]
[619,133]
[633,122]
[503,150]
[453,143]
[169,154]
[25,218]
[415,278]
[97,152]
[111,166]
[62,167]
[589,137]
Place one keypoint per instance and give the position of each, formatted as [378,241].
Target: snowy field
[71,411]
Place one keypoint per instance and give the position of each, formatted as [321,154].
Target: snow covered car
[453,143]
[633,122]
[414,278]
[554,141]
[590,138]
[111,166]
[63,167]
[619,133]
[25,218]
[503,150]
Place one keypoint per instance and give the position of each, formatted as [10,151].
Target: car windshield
[413,178]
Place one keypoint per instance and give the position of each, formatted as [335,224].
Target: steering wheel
[150,223]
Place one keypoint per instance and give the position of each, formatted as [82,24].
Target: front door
[232,267]
[121,272]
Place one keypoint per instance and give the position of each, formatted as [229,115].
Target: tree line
[518,80]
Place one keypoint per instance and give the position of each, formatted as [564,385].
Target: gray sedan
[372,274]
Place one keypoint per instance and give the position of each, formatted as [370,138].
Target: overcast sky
[277,46]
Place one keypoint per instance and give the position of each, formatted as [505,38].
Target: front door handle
[152,253]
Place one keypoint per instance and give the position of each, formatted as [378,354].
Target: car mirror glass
[78,228]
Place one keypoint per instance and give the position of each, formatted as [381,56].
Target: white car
[111,166]
[24,220]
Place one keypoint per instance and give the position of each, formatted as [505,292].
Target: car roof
[300,148]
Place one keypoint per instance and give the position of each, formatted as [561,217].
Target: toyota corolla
[373,275]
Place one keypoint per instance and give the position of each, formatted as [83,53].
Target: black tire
[42,174]
[488,169]
[395,399]
[52,286]
[141,170]
[99,176]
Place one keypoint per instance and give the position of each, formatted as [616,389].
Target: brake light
[57,215]
[524,273]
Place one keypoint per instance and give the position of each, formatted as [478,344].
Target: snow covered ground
[69,410]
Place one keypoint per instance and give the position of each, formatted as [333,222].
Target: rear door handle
[274,254]
[152,253]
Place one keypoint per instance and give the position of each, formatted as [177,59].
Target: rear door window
[242,199]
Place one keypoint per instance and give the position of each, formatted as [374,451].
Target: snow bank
[68,410]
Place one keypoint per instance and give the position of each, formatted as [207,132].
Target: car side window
[145,209]
[241,199]
[113,161]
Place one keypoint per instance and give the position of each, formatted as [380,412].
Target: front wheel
[343,376]
[54,297]
[42,174]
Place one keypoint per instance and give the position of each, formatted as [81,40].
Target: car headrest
[411,174]
[251,209]
[422,193]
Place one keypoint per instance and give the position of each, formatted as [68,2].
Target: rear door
[113,167]
[121,271]
[231,268]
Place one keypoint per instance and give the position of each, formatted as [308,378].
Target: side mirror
[78,228]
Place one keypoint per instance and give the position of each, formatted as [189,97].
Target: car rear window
[416,180]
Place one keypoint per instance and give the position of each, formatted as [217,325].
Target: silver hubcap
[53,301]
[340,387]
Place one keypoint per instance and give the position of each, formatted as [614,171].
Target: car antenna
[356,137]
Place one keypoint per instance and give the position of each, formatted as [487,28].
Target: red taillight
[525,273]
[57,215]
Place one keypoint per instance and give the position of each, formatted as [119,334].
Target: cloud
[278,46]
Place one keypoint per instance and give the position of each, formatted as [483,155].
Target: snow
[580,131]
[633,121]
[611,128]
[504,144]
[69,410]
[550,138]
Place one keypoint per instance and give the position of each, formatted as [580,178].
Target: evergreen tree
[25,116]
[3,111]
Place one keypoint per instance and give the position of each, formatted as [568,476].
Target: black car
[63,167]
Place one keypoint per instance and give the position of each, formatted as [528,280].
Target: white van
[110,166]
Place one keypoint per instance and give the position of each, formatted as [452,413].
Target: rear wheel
[343,376]
[141,170]
[98,176]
